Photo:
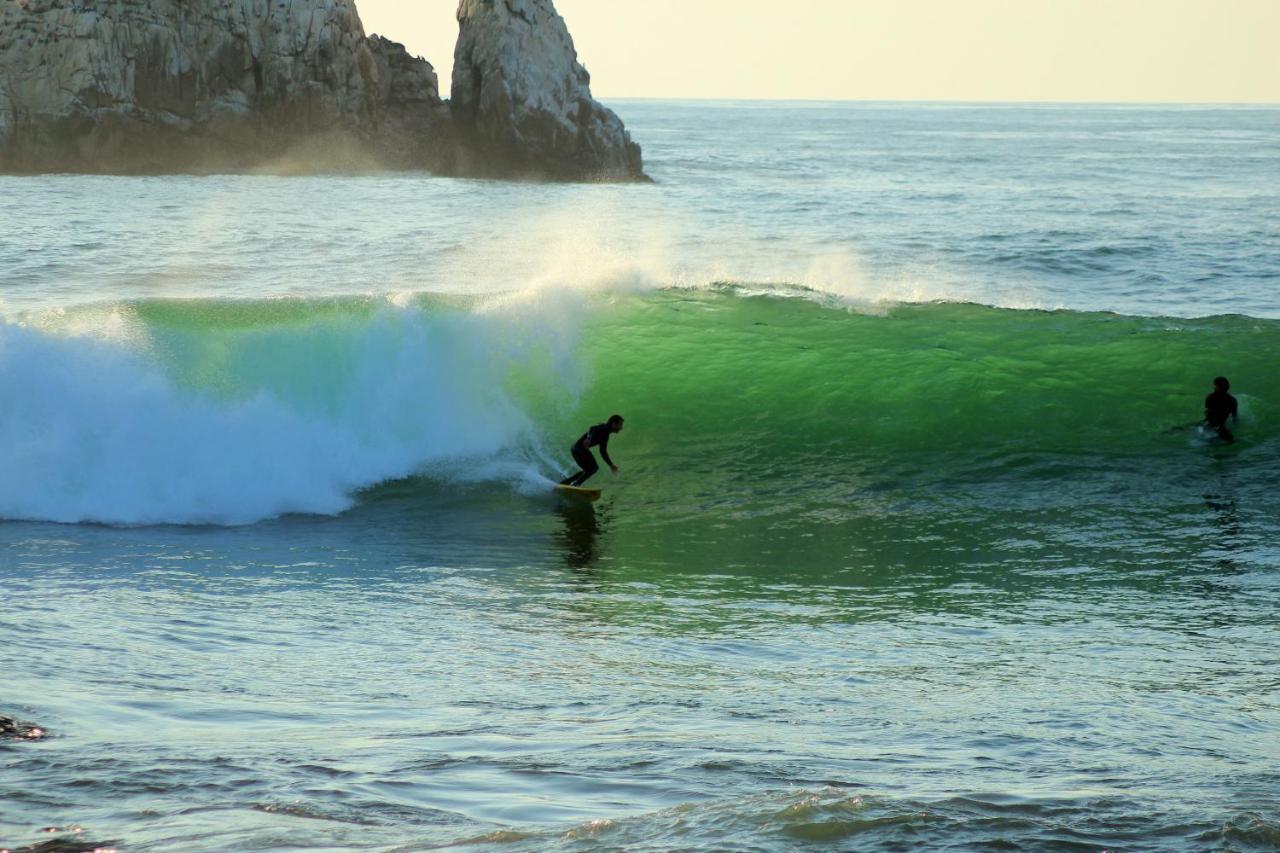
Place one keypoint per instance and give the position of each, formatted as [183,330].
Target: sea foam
[212,421]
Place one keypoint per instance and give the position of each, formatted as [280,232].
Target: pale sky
[947,50]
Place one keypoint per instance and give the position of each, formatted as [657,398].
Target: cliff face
[227,85]
[143,85]
[523,100]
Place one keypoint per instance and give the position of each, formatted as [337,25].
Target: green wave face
[774,412]
[788,381]
[760,425]
[787,378]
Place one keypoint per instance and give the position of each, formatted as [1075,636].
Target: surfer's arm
[604,454]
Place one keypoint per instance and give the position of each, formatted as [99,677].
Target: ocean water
[915,541]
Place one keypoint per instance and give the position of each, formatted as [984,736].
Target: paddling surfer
[596,436]
[1218,406]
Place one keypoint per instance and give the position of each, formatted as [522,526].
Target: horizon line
[925,101]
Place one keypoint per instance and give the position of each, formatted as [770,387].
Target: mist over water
[915,543]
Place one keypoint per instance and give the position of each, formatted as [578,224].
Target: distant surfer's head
[1221,383]
[615,423]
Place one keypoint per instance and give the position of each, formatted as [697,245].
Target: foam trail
[232,426]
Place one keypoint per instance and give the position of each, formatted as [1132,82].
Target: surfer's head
[1221,383]
[615,423]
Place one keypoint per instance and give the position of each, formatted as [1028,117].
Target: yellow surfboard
[580,492]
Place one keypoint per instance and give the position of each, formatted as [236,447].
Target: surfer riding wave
[595,436]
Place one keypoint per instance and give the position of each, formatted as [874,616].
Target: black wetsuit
[596,436]
[1219,406]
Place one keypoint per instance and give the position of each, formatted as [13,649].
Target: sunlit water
[882,570]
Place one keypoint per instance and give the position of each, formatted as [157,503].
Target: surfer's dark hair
[1221,382]
[615,419]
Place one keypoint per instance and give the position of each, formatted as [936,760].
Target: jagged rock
[72,842]
[11,729]
[161,85]
[404,80]
[152,86]
[523,101]
[414,128]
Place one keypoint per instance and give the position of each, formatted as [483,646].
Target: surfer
[596,436]
[1218,406]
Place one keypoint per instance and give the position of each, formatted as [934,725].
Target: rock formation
[11,729]
[523,101]
[412,125]
[150,86]
[159,85]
